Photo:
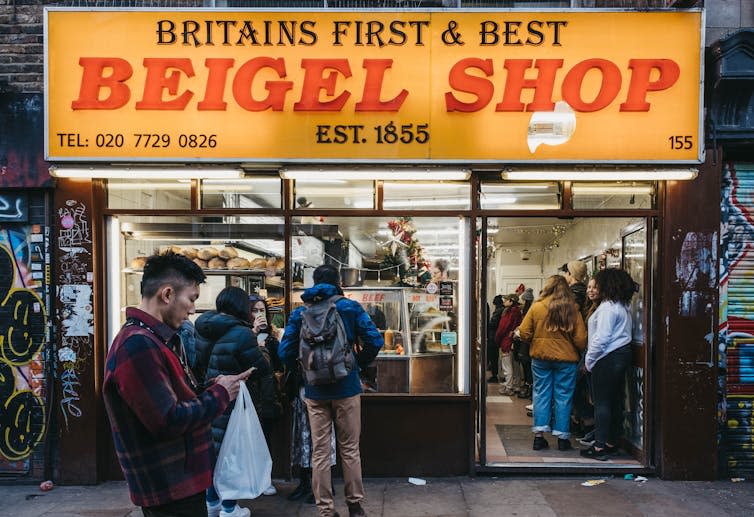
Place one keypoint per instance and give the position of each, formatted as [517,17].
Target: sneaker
[213,510]
[355,510]
[611,450]
[594,454]
[564,444]
[236,512]
[529,407]
[540,443]
[270,490]
[506,391]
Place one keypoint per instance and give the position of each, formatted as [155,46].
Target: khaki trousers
[346,413]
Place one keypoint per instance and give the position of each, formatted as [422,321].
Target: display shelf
[229,272]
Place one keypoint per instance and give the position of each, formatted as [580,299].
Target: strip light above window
[408,174]
[146,173]
[599,174]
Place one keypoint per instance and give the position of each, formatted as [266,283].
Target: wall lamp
[146,173]
[408,174]
[599,174]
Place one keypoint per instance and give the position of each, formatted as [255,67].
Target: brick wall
[21,52]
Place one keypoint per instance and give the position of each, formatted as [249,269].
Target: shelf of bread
[220,258]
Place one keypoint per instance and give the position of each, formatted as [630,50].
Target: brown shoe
[355,510]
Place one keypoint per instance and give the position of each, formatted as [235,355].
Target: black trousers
[608,379]
[493,357]
[192,506]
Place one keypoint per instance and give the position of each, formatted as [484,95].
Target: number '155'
[681,141]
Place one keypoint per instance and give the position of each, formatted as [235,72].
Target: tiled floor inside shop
[509,437]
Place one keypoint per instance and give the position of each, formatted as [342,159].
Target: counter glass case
[420,337]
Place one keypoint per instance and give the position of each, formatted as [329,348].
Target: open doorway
[522,252]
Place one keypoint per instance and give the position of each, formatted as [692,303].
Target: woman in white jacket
[608,357]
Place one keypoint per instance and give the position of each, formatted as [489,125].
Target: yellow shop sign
[413,86]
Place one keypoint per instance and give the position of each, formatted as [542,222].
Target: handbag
[244,466]
[521,350]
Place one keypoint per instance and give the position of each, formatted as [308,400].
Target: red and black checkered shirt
[161,428]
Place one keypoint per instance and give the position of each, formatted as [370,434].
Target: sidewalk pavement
[440,497]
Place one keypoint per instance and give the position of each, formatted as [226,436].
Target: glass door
[517,255]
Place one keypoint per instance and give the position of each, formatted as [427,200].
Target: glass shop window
[333,193]
[520,196]
[149,194]
[250,192]
[616,195]
[409,274]
[420,195]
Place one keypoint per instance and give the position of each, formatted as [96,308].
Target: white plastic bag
[244,465]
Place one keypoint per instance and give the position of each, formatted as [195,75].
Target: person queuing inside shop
[493,349]
[576,276]
[557,334]
[509,321]
[583,409]
[229,345]
[608,357]
[154,403]
[521,349]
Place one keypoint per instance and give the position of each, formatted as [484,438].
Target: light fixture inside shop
[145,173]
[412,174]
[600,174]
[614,189]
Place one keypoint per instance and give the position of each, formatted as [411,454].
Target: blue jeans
[213,497]
[554,381]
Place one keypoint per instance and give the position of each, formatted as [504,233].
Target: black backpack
[324,352]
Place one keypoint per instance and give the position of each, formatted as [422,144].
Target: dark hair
[497,301]
[169,268]
[615,285]
[234,301]
[253,300]
[326,274]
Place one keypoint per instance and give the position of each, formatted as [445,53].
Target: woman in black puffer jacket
[228,345]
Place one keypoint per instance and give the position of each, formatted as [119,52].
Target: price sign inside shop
[430,86]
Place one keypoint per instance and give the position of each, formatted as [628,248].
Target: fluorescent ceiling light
[612,189]
[600,175]
[146,173]
[413,174]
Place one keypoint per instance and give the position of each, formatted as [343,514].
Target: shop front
[437,158]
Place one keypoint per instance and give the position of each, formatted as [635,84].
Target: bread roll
[258,263]
[201,263]
[170,249]
[238,263]
[138,262]
[228,252]
[207,253]
[189,252]
[216,263]
[280,263]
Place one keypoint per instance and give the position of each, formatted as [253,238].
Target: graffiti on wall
[23,334]
[736,348]
[75,303]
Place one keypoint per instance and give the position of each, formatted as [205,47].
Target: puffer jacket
[229,346]
[555,345]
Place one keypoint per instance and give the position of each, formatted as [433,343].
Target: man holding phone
[159,417]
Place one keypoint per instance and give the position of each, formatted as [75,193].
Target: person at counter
[340,402]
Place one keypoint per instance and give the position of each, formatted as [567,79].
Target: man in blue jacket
[339,402]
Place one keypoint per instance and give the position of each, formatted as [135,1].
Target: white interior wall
[584,238]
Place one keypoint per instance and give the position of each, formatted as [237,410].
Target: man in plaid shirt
[160,419]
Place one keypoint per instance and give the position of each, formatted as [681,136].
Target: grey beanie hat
[528,295]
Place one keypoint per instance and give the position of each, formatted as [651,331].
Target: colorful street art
[736,354]
[24,332]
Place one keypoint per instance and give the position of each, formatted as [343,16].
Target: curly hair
[562,310]
[169,268]
[615,285]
